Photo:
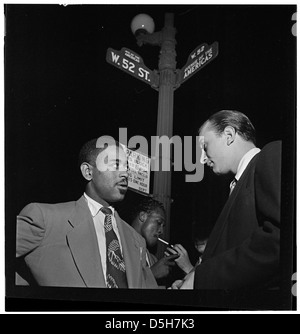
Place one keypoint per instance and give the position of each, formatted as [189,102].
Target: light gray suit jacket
[59,245]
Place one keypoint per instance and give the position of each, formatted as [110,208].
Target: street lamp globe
[142,24]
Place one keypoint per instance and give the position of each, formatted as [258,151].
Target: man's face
[110,177]
[215,150]
[153,227]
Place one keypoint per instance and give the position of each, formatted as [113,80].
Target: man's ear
[230,134]
[143,216]
[86,171]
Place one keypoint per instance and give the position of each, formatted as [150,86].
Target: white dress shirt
[243,165]
[98,218]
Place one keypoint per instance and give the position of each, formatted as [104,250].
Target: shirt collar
[245,161]
[94,206]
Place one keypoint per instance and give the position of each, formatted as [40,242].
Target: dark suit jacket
[244,247]
[59,245]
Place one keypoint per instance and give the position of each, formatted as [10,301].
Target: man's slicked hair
[239,121]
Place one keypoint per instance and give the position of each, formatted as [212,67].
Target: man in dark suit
[243,249]
[85,243]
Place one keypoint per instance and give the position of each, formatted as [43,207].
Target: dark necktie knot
[106,211]
[233,184]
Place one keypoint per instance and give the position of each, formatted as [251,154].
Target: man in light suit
[243,250]
[64,244]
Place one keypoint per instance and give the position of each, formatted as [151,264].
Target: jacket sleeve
[256,260]
[30,229]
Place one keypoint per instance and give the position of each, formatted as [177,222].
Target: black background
[61,92]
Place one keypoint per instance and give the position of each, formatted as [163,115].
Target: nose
[161,230]
[123,173]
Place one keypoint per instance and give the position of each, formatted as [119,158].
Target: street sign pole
[167,78]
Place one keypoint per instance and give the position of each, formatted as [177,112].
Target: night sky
[61,92]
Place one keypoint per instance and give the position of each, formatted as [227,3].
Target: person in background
[243,250]
[148,219]
[85,243]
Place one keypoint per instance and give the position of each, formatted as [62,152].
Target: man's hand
[183,261]
[162,267]
[176,285]
[186,284]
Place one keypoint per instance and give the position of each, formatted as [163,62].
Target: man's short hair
[91,149]
[147,205]
[239,121]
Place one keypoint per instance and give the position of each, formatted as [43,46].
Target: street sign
[138,172]
[199,58]
[130,62]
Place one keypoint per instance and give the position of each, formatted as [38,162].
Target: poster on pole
[138,172]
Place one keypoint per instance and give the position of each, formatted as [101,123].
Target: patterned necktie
[233,184]
[115,266]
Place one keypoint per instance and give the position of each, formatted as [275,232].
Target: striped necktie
[115,266]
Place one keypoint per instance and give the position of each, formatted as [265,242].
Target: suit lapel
[83,244]
[132,251]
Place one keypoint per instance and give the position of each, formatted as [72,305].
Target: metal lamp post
[166,86]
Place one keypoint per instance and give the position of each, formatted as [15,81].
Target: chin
[123,192]
[117,198]
[120,198]
[151,244]
[216,171]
